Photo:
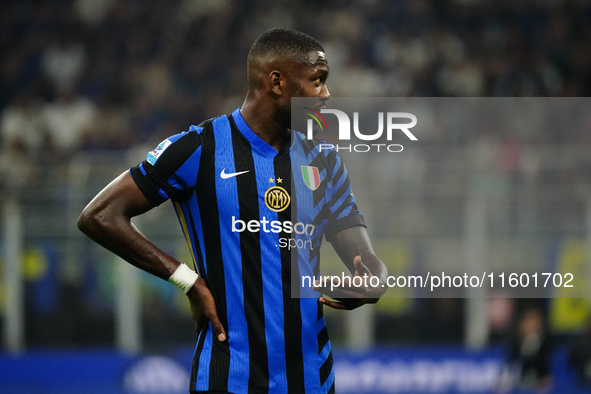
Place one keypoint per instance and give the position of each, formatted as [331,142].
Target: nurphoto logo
[389,123]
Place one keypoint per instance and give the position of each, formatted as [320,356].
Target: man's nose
[325,94]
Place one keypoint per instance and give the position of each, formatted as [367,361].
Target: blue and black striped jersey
[254,220]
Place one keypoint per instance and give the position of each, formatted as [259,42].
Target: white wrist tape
[183,278]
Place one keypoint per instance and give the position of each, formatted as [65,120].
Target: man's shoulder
[182,144]
[206,123]
[194,132]
[316,147]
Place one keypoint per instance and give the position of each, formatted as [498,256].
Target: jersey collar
[250,135]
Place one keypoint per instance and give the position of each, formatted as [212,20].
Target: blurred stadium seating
[88,87]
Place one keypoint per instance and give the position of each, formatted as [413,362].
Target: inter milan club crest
[277,198]
[311,177]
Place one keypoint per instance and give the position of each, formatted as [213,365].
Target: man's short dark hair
[287,43]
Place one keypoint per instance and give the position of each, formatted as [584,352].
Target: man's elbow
[90,220]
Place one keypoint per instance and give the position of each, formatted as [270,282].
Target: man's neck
[264,124]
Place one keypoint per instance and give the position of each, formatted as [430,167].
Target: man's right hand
[203,309]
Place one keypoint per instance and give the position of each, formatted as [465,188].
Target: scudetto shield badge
[311,177]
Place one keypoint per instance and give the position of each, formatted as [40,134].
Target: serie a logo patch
[277,199]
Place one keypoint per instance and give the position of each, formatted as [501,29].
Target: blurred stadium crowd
[85,74]
[82,76]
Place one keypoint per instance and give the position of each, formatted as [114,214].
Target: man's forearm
[121,237]
[107,221]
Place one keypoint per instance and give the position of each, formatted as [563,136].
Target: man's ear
[277,82]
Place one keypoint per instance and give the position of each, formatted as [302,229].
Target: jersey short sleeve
[343,206]
[170,170]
